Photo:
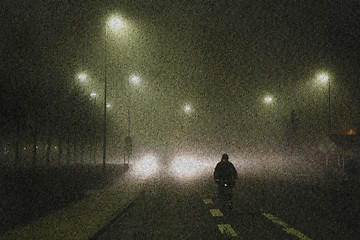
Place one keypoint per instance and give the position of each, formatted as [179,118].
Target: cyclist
[225,175]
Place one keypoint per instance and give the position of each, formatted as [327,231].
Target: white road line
[216,213]
[208,201]
[227,230]
[286,227]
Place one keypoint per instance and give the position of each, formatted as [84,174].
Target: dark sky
[222,57]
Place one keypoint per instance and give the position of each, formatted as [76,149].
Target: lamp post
[324,78]
[187,115]
[134,80]
[114,23]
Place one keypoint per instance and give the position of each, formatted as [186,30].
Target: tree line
[41,103]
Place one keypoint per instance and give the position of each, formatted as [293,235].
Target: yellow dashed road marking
[216,213]
[227,230]
[208,201]
[286,228]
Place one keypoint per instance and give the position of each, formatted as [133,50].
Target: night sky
[221,57]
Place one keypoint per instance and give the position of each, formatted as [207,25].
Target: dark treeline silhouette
[41,106]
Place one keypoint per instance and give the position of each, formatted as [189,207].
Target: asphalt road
[264,209]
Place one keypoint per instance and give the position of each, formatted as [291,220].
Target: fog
[221,59]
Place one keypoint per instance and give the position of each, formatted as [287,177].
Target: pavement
[82,219]
[163,209]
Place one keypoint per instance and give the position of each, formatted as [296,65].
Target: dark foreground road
[264,209]
[27,194]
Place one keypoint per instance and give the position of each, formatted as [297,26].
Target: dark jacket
[225,170]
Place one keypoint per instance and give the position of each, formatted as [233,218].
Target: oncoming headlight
[146,167]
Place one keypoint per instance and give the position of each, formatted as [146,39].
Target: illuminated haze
[220,57]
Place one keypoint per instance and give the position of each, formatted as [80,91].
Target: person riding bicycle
[225,175]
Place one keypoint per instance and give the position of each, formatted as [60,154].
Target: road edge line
[117,215]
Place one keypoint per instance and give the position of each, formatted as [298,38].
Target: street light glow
[268,99]
[187,108]
[323,77]
[115,23]
[82,77]
[134,79]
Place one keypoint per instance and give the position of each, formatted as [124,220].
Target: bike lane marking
[208,201]
[226,229]
[286,227]
[216,213]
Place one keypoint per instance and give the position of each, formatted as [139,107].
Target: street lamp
[133,80]
[268,99]
[82,77]
[183,131]
[114,24]
[324,78]
[187,109]
[93,94]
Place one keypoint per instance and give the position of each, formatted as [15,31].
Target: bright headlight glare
[146,167]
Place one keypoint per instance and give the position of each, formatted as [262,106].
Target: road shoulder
[84,218]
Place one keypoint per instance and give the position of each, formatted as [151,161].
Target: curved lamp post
[133,80]
[325,79]
[114,23]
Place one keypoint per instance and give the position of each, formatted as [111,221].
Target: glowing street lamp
[134,79]
[187,108]
[322,77]
[82,77]
[115,23]
[268,99]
